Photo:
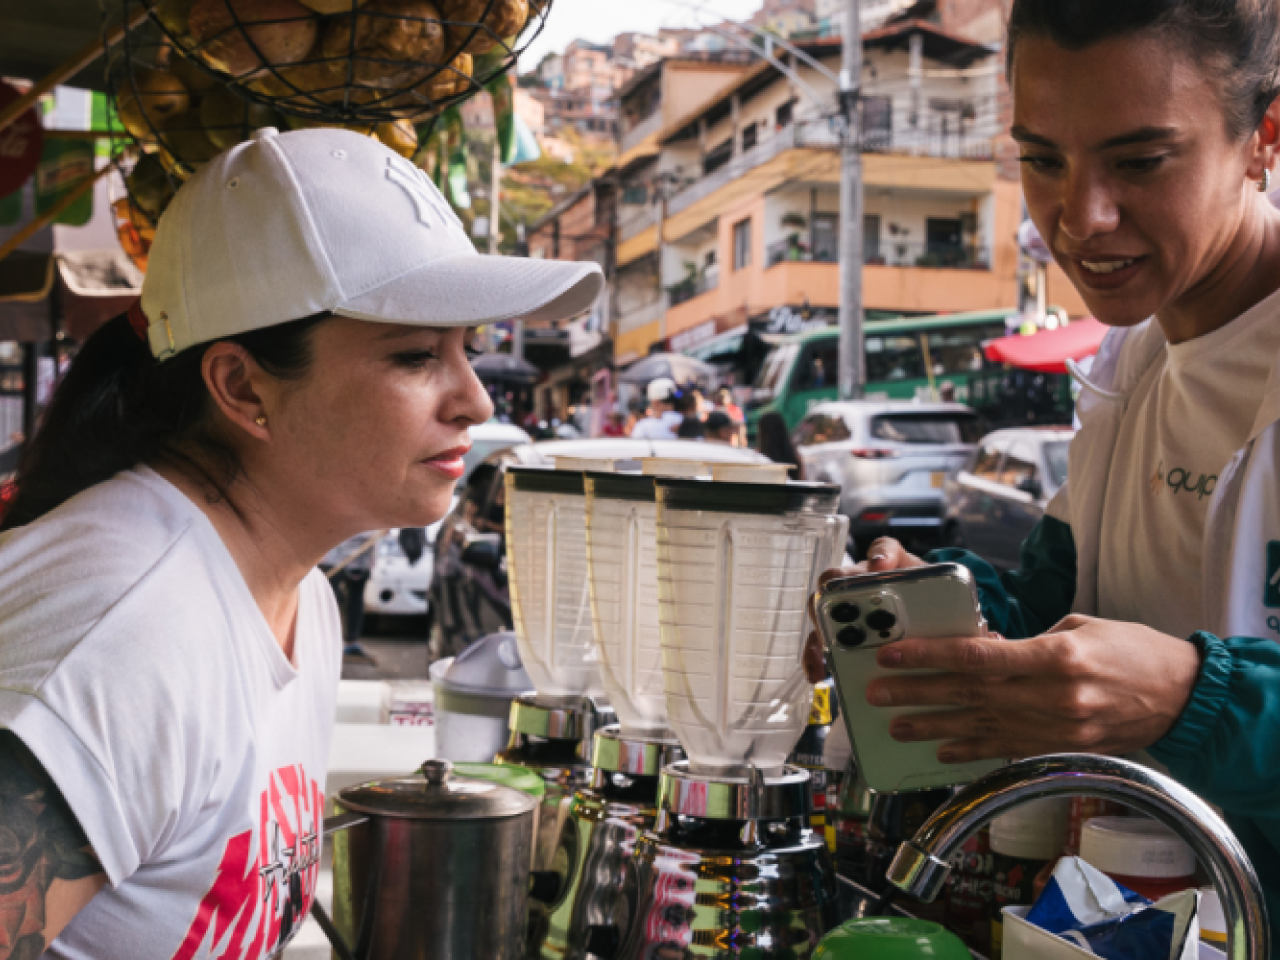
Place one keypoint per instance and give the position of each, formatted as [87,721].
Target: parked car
[891,460]
[470,585]
[398,587]
[997,499]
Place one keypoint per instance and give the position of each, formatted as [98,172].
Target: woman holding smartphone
[1150,592]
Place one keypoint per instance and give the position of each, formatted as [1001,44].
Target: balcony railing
[695,286]
[634,136]
[638,316]
[927,255]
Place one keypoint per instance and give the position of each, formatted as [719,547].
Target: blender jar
[622,567]
[737,563]
[547,566]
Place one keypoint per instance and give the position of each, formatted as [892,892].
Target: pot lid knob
[437,771]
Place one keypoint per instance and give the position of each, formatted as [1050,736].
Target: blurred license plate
[937,478]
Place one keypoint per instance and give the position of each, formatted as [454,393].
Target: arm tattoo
[40,842]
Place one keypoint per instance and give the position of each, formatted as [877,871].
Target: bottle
[1084,809]
[1139,853]
[1024,842]
[969,894]
[808,752]
[851,812]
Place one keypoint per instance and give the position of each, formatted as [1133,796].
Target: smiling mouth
[1103,267]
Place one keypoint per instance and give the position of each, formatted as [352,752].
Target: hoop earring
[1264,185]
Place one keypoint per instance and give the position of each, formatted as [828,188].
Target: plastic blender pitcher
[737,563]
[622,567]
[547,567]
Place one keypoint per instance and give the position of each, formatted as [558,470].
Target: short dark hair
[717,420]
[1237,40]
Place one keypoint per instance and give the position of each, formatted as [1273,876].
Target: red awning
[1049,350]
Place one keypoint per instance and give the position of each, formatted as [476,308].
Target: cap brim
[473,290]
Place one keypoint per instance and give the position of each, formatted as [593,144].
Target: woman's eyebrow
[399,333]
[1141,135]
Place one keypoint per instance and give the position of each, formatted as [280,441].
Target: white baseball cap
[662,390]
[288,225]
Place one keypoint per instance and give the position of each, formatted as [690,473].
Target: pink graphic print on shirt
[257,902]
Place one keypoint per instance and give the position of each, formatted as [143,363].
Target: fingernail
[946,756]
[879,697]
[889,657]
[877,556]
[901,731]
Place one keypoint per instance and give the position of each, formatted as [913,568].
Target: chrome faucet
[922,864]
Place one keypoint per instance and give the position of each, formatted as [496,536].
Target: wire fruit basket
[352,61]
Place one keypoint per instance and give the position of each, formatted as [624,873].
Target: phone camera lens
[851,637]
[845,612]
[881,620]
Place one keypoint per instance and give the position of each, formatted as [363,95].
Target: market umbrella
[677,366]
[1048,350]
[505,368]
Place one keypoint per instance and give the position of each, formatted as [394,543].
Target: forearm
[48,871]
[1225,742]
[1028,601]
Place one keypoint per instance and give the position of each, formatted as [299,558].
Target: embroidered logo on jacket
[260,897]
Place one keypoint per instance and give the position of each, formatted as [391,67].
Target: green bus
[938,357]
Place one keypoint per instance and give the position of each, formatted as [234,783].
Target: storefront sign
[693,337]
[788,320]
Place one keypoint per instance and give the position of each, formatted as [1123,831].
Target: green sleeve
[1030,600]
[1225,743]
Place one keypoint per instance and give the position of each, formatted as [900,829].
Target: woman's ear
[239,388]
[1266,143]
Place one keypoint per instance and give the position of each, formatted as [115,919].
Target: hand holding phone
[855,617]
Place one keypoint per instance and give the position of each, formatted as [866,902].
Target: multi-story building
[638,50]
[729,213]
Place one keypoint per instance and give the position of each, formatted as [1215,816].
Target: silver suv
[891,460]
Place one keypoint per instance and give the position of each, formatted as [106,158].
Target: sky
[599,21]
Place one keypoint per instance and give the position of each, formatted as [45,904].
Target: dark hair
[717,420]
[1239,40]
[690,428]
[685,402]
[774,442]
[119,407]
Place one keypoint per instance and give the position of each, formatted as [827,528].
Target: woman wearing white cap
[663,420]
[296,373]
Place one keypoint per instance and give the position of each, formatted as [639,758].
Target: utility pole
[852,357]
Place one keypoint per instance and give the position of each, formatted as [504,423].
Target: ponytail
[118,407]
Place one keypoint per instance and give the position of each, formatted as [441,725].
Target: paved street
[399,647]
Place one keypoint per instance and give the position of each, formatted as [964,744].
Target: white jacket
[1242,535]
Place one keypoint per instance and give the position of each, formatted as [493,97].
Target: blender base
[599,837]
[712,882]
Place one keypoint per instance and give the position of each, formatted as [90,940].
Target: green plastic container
[518,778]
[890,938]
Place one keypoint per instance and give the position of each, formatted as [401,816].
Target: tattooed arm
[48,872]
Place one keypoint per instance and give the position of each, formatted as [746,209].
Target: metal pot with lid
[433,865]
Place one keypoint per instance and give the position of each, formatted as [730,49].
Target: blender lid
[772,499]
[543,480]
[438,794]
[489,667]
[621,486]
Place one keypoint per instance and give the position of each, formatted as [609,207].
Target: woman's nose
[1088,208]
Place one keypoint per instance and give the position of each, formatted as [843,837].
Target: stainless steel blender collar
[615,752]
[544,480]
[772,499]
[743,793]
[636,487]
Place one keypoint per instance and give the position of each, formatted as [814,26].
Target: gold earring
[261,421]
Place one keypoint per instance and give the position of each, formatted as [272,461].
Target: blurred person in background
[690,427]
[720,429]
[774,442]
[662,420]
[348,567]
[724,401]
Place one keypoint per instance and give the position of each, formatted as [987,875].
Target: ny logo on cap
[426,198]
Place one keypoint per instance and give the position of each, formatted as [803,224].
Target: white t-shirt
[1185,420]
[653,428]
[137,667]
